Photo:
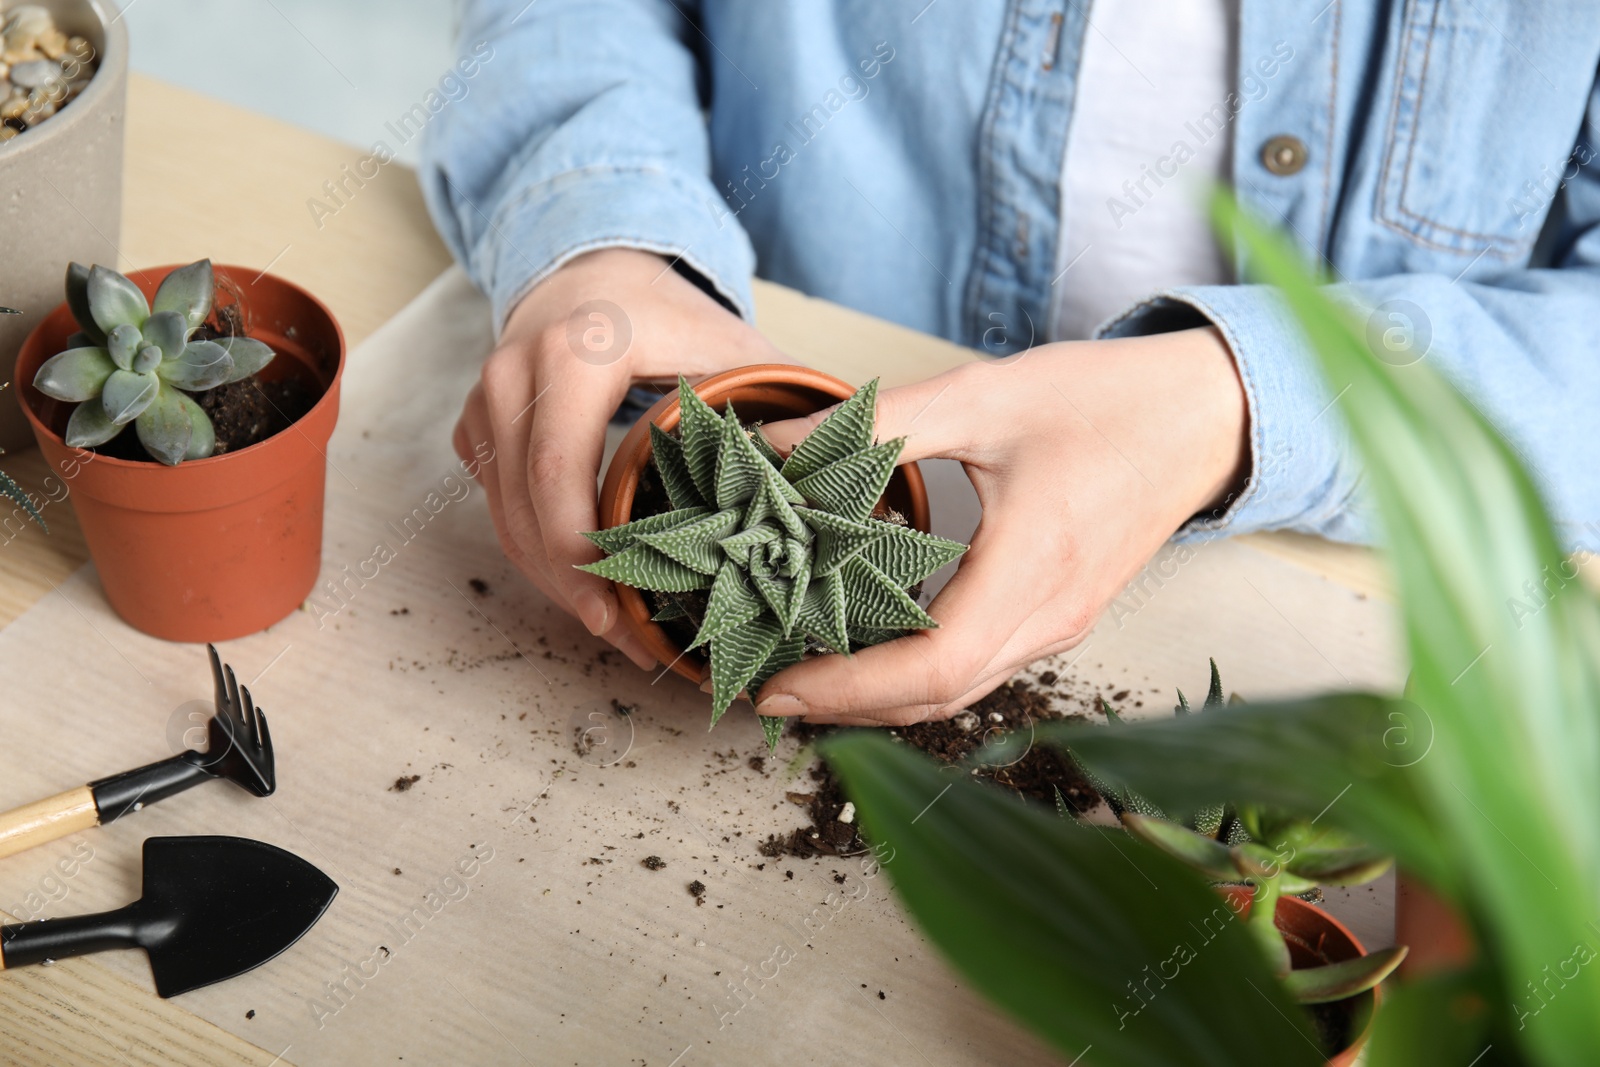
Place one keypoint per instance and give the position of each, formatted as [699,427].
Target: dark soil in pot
[242,413]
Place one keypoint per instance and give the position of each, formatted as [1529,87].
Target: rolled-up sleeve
[582,129]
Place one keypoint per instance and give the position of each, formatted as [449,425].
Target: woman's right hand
[569,353]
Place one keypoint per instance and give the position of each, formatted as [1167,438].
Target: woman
[1028,177]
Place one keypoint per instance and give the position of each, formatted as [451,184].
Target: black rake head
[239,745]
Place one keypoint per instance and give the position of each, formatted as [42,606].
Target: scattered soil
[479,586]
[403,783]
[697,889]
[251,1014]
[1011,708]
[653,863]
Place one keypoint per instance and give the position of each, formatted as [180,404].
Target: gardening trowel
[238,748]
[213,908]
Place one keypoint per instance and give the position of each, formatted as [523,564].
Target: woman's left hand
[1086,456]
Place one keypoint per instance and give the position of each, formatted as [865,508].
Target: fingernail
[593,610]
[821,720]
[782,704]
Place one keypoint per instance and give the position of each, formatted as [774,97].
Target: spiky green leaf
[19,496]
[694,544]
[740,468]
[871,599]
[617,538]
[839,538]
[736,657]
[764,446]
[846,431]
[909,556]
[700,432]
[645,568]
[822,613]
[732,604]
[771,502]
[850,487]
[667,452]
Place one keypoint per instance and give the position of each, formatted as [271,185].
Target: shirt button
[1284,155]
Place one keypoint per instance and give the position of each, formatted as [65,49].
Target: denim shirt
[904,157]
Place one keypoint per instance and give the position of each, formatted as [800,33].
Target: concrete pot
[61,192]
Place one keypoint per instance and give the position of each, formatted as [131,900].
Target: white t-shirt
[1151,135]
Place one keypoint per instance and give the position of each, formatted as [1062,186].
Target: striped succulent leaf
[787,552]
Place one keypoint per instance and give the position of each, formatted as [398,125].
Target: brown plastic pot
[217,548]
[766,392]
[1432,929]
[1314,938]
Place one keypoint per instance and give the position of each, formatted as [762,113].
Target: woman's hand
[568,355]
[1086,456]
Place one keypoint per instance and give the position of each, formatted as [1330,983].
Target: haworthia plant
[137,363]
[779,557]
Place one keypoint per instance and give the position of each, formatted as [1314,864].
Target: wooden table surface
[246,204]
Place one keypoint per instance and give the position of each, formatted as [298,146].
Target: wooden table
[247,204]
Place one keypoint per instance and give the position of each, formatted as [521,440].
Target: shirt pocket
[1486,107]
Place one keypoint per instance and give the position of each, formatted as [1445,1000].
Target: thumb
[926,414]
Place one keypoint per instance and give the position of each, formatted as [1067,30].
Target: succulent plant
[769,557]
[19,496]
[138,363]
[1271,852]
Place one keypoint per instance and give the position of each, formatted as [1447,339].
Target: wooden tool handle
[47,819]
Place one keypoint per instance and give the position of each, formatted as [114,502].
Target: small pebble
[847,814]
[37,73]
[966,722]
[995,716]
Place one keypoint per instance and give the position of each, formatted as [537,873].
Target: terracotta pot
[1436,936]
[63,189]
[216,548]
[768,392]
[1315,938]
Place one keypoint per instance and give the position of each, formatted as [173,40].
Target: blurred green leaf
[1513,776]
[1324,758]
[1100,944]
[1337,981]
[1443,1018]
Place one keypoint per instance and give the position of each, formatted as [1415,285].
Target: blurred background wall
[341,67]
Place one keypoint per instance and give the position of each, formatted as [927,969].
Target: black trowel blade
[215,907]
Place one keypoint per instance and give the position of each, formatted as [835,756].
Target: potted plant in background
[62,98]
[202,502]
[715,541]
[1059,923]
